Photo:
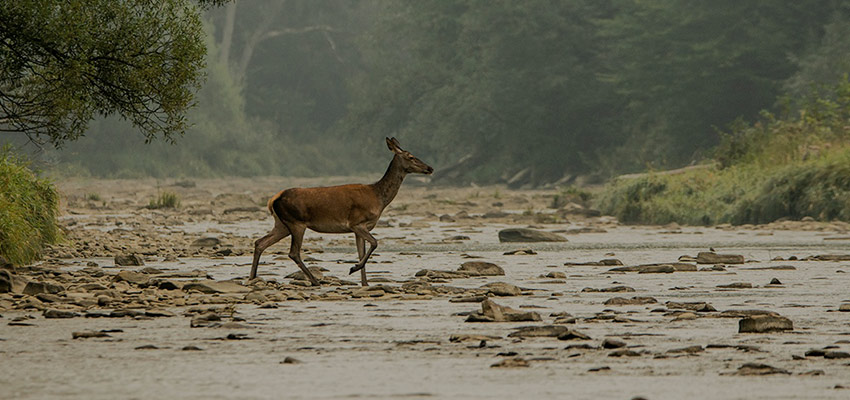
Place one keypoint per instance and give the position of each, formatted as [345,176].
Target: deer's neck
[388,186]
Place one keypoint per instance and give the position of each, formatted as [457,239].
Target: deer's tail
[271,203]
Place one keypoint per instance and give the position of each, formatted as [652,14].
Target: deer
[353,208]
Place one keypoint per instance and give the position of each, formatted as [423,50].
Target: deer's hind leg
[278,232]
[361,251]
[297,232]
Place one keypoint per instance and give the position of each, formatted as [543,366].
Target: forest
[534,92]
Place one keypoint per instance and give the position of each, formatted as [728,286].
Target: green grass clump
[28,210]
[165,200]
[779,167]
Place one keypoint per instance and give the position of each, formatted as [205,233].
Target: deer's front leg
[363,234]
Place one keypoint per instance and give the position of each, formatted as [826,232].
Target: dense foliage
[28,209]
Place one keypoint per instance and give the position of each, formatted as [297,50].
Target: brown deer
[337,209]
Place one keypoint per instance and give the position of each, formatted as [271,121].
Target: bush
[28,209]
[165,200]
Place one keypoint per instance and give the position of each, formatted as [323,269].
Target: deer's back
[332,209]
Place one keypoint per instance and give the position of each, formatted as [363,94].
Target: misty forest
[616,138]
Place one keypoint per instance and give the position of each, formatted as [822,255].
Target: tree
[63,62]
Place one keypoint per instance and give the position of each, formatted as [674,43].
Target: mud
[169,331]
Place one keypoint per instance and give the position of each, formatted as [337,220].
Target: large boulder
[528,235]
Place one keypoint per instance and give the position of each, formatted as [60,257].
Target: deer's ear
[392,144]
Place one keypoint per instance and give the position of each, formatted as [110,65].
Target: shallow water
[394,348]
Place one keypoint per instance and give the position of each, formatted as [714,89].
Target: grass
[164,200]
[28,210]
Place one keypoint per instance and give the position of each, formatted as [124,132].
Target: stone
[499,313]
[206,242]
[440,274]
[128,260]
[460,338]
[88,334]
[555,275]
[736,285]
[844,307]
[33,288]
[697,306]
[687,350]
[520,252]
[5,281]
[656,269]
[613,289]
[502,289]
[710,257]
[136,278]
[637,300]
[572,334]
[481,268]
[516,362]
[318,273]
[608,262]
[539,331]
[775,281]
[53,313]
[623,353]
[613,344]
[290,360]
[750,369]
[212,287]
[834,355]
[764,323]
[191,348]
[528,235]
[829,257]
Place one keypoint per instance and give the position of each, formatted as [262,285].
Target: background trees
[487,91]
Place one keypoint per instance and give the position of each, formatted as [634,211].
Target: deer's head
[409,162]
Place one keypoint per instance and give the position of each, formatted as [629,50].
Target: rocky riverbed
[153,303]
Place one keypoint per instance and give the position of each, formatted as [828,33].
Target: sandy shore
[187,325]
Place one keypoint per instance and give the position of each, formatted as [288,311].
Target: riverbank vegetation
[791,166]
[28,210]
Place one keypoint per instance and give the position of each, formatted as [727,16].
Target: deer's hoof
[355,269]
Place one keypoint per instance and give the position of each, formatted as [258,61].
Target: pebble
[53,313]
[517,362]
[128,260]
[750,369]
[481,268]
[502,289]
[88,334]
[637,300]
[613,344]
[736,285]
